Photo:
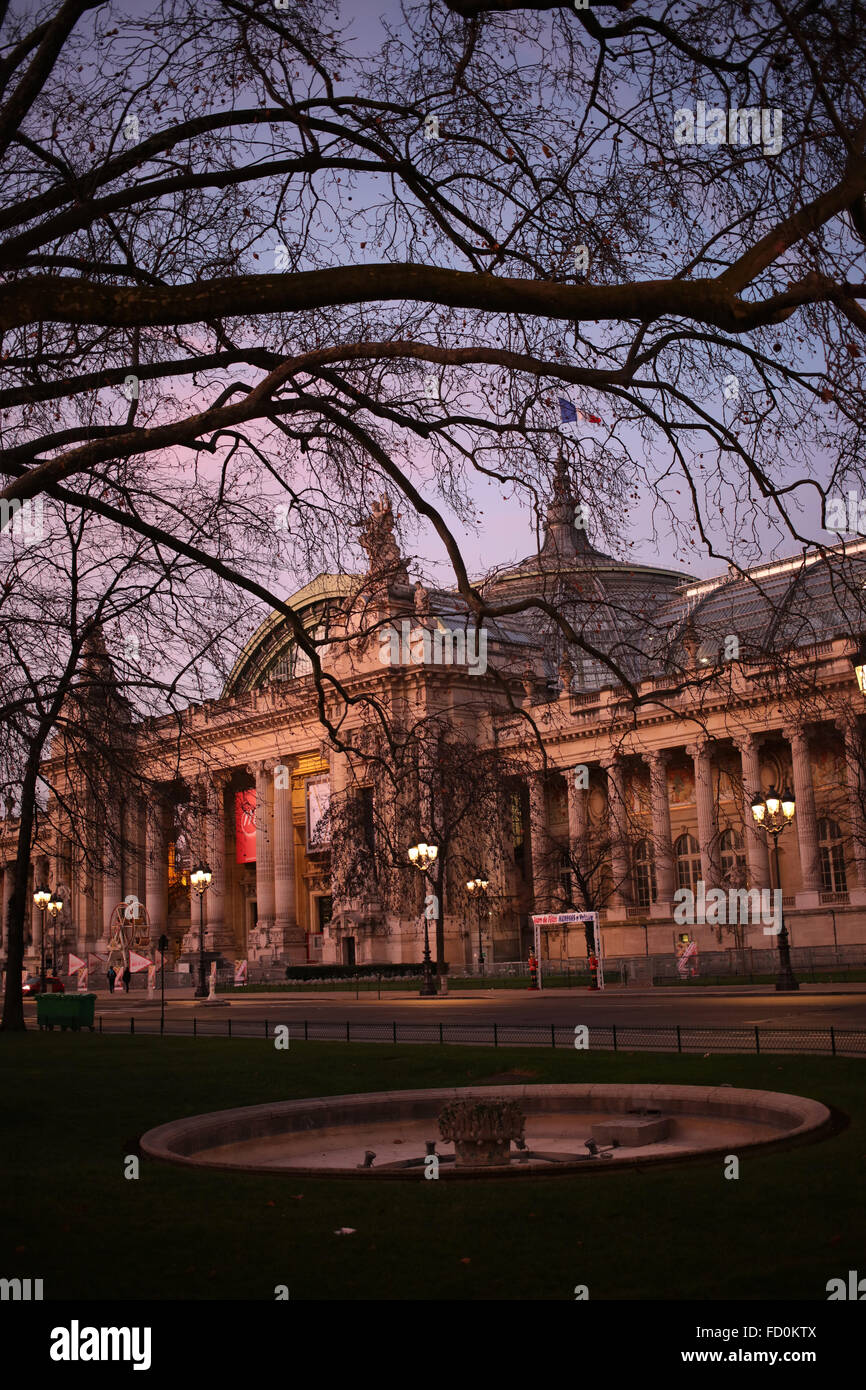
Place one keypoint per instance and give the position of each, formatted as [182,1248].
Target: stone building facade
[742,683]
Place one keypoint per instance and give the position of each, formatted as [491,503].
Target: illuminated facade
[746,681]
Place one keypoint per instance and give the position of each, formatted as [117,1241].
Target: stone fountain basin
[326,1136]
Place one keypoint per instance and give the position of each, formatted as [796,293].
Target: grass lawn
[72,1102]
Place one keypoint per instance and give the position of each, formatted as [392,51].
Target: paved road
[813,1007]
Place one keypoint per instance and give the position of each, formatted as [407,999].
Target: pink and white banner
[137,963]
[245,826]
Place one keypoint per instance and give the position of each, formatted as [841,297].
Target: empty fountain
[478,1132]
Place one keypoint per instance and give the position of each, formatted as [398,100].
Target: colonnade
[708,831]
[130,856]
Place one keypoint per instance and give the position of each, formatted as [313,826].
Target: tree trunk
[440,920]
[13,1001]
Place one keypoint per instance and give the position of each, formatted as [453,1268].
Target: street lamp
[42,898]
[477,889]
[423,857]
[200,879]
[773,815]
[55,907]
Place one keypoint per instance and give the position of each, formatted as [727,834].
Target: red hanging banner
[245,826]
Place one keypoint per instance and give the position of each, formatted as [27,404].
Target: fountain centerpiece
[481,1131]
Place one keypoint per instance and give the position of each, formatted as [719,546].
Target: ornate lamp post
[55,907]
[773,815]
[200,879]
[42,898]
[477,889]
[423,856]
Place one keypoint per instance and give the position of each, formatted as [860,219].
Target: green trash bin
[65,1011]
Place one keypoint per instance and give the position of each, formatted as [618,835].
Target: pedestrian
[126,977]
[111,976]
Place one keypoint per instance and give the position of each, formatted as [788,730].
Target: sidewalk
[187,994]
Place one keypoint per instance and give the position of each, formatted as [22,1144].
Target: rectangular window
[368,825]
[834,876]
[565,874]
[318,814]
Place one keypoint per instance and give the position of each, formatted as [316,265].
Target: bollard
[757,1039]
[306,1025]
[132,1025]
[833,1041]
[394,1027]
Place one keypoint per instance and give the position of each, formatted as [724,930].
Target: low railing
[606,1037]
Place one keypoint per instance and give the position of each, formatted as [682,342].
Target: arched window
[733,859]
[688,857]
[644,872]
[834,878]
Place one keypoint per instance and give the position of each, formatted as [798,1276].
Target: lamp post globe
[55,907]
[42,897]
[423,856]
[477,889]
[774,813]
[200,880]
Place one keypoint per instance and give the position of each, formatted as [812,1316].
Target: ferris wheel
[129,929]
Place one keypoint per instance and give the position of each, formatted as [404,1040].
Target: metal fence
[748,964]
[612,1037]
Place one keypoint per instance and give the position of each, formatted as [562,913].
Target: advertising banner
[245,826]
[240,972]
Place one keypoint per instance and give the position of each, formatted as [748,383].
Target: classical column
[110,874]
[708,835]
[287,938]
[805,818]
[577,823]
[82,874]
[81,879]
[134,871]
[855,786]
[341,886]
[156,868]
[539,846]
[263,773]
[218,936]
[756,840]
[620,895]
[662,843]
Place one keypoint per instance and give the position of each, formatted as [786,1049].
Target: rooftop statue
[378,540]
